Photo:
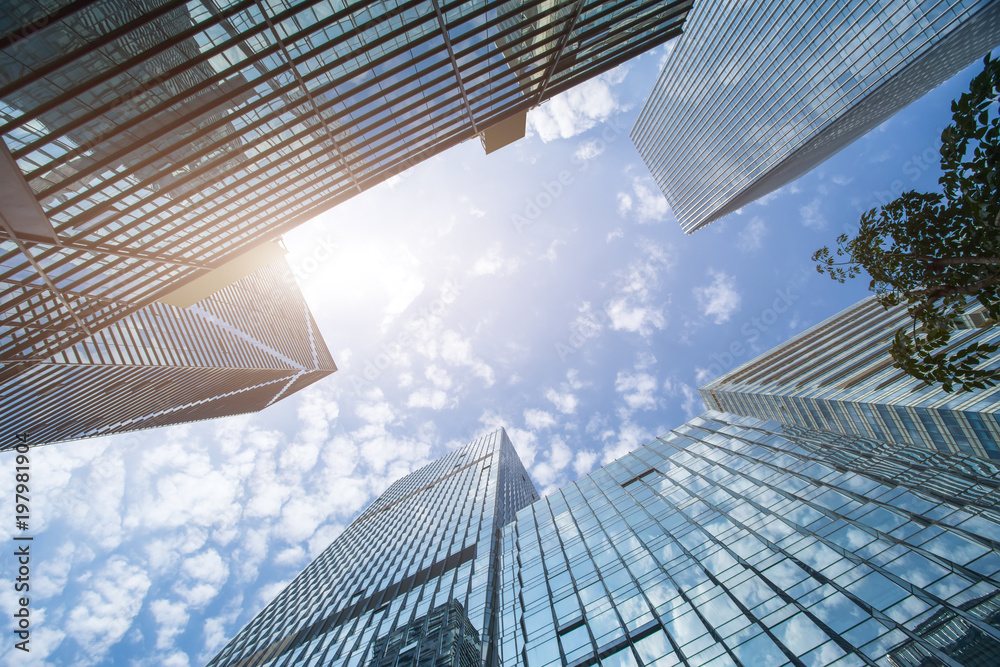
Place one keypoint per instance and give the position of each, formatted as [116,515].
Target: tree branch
[940,291]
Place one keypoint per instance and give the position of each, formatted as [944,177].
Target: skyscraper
[756,94]
[727,541]
[412,580]
[236,349]
[838,376]
[732,541]
[148,142]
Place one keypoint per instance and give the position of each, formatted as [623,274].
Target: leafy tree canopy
[939,253]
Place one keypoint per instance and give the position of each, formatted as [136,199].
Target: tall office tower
[756,94]
[149,142]
[233,349]
[735,542]
[412,581]
[838,376]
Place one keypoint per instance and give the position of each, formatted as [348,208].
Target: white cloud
[317,413]
[438,376]
[216,635]
[566,403]
[402,284]
[703,375]
[647,202]
[53,573]
[549,471]
[668,48]
[492,263]
[573,380]
[720,299]
[632,309]
[171,618]
[525,442]
[376,411]
[434,399]
[616,233]
[457,351]
[624,203]
[111,599]
[628,437]
[552,254]
[578,109]
[175,659]
[584,462]
[184,498]
[44,640]
[588,150]
[291,556]
[538,419]
[588,323]
[206,566]
[752,235]
[637,319]
[644,359]
[692,404]
[769,197]
[300,517]
[270,591]
[637,389]
[643,276]
[812,216]
[86,485]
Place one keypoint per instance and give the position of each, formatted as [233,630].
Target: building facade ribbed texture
[756,94]
[236,351]
[147,142]
[731,541]
[838,376]
[412,581]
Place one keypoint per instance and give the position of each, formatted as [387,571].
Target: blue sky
[546,288]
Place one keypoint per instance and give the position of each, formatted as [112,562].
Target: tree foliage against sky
[939,253]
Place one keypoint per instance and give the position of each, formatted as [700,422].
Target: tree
[939,253]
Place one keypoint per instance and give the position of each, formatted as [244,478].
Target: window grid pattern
[427,549]
[833,71]
[838,375]
[732,541]
[236,351]
[162,138]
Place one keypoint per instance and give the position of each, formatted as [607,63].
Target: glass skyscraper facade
[839,376]
[234,351]
[728,542]
[756,94]
[147,142]
[732,541]
[412,581]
